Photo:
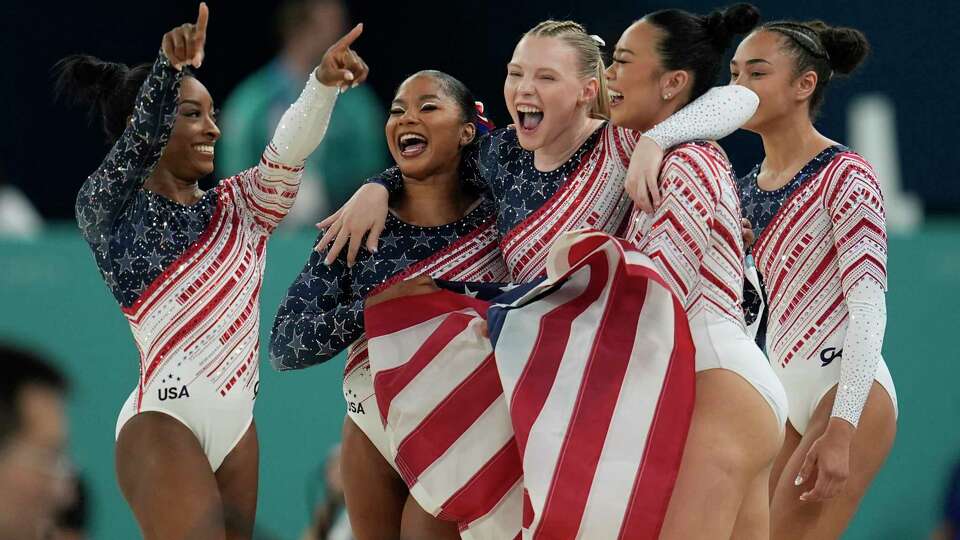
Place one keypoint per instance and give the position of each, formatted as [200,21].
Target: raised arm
[133,157]
[271,189]
[714,115]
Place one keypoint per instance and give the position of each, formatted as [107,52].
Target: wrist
[840,429]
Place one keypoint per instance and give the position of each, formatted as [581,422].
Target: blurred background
[900,110]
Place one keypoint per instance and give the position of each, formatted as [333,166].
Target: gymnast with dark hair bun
[186,267]
[817,211]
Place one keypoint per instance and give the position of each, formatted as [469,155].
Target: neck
[559,151]
[435,200]
[789,140]
[165,183]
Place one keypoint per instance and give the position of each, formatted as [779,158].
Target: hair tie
[598,40]
[484,125]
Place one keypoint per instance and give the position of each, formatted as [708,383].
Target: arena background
[52,298]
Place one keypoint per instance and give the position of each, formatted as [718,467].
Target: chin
[530,142]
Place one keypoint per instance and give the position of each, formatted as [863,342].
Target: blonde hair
[588,53]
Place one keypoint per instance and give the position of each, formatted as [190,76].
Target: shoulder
[847,171]
[699,162]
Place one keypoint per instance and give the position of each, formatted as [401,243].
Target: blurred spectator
[18,218]
[950,527]
[33,438]
[73,520]
[353,148]
[330,520]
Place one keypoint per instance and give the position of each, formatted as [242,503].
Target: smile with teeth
[529,116]
[615,97]
[411,144]
[204,148]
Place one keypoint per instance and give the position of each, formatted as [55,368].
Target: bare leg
[792,518]
[790,443]
[374,493]
[733,439]
[166,479]
[237,479]
[753,520]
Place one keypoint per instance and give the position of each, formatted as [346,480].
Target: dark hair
[21,369]
[823,49]
[697,43]
[455,89]
[107,88]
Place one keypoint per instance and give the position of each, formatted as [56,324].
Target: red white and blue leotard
[188,277]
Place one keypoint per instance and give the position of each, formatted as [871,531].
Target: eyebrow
[193,102]
[421,98]
[751,61]
[622,50]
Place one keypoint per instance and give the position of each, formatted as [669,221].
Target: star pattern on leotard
[324,305]
[136,234]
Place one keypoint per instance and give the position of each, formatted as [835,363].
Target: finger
[180,45]
[643,199]
[355,242]
[168,49]
[203,15]
[653,185]
[364,71]
[820,490]
[328,237]
[356,66]
[342,238]
[373,237]
[190,53]
[484,330]
[330,220]
[348,39]
[806,470]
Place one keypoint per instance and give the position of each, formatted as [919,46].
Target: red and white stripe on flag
[573,427]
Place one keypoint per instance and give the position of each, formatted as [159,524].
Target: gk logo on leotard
[827,355]
[172,392]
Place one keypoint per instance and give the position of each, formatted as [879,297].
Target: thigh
[791,441]
[734,436]
[166,479]
[793,518]
[753,519]
[237,479]
[374,493]
[419,525]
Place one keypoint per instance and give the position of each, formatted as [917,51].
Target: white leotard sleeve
[714,115]
[304,124]
[867,307]
[274,184]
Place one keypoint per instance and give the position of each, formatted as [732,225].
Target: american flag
[567,422]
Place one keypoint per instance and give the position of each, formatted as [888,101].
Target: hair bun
[847,47]
[734,20]
[86,79]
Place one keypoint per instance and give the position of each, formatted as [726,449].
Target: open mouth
[616,98]
[530,117]
[205,149]
[411,144]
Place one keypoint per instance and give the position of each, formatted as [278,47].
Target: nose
[409,116]
[210,129]
[610,73]
[525,87]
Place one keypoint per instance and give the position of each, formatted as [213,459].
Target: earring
[667,96]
